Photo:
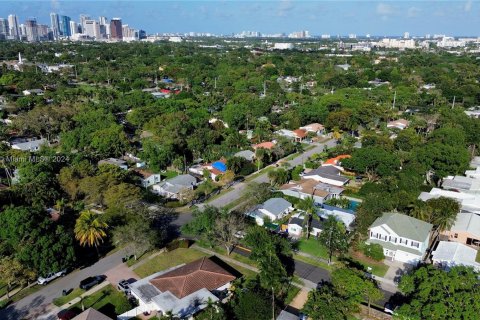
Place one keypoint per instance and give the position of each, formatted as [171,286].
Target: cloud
[413,12]
[285,7]
[468,6]
[384,9]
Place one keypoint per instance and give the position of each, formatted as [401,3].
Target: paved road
[240,187]
[40,302]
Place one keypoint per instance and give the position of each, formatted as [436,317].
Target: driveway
[40,302]
[299,299]
[121,272]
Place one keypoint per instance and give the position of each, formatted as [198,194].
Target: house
[300,134]
[347,217]
[343,67]
[245,154]
[462,184]
[147,178]
[285,315]
[465,230]
[403,238]
[316,128]
[297,224]
[305,188]
[475,174]
[91,314]
[122,164]
[182,290]
[264,145]
[37,92]
[173,187]
[378,82]
[327,174]
[398,124]
[28,145]
[273,209]
[469,202]
[337,161]
[450,254]
[475,163]
[296,135]
[473,113]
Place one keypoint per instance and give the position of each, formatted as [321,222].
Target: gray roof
[29,145]
[113,161]
[276,206]
[246,154]
[456,252]
[461,183]
[405,226]
[296,220]
[285,315]
[328,172]
[467,222]
[91,314]
[183,180]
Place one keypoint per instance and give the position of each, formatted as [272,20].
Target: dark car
[90,282]
[124,286]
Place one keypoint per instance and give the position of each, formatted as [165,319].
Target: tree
[89,229]
[308,205]
[433,293]
[443,159]
[121,195]
[278,177]
[374,251]
[227,226]
[443,212]
[325,304]
[372,161]
[13,272]
[252,305]
[333,237]
[136,236]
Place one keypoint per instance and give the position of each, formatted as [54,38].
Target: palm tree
[308,205]
[89,229]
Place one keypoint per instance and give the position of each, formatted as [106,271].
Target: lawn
[477,259]
[169,174]
[60,301]
[313,247]
[167,260]
[378,267]
[3,289]
[108,301]
[313,262]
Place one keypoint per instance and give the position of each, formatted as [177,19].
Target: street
[40,302]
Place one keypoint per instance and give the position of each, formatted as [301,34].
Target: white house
[273,209]
[462,184]
[305,188]
[450,254]
[316,128]
[172,188]
[399,124]
[403,238]
[327,174]
[38,92]
[469,202]
[147,178]
[182,290]
[122,164]
[297,224]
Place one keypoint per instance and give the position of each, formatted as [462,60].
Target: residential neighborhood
[238,175]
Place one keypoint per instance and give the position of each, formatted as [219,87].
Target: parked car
[390,308]
[51,276]
[124,286]
[90,282]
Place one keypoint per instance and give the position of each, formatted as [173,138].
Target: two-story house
[403,238]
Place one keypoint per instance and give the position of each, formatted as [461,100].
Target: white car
[51,276]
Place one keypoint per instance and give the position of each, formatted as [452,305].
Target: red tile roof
[334,161]
[264,145]
[196,275]
[300,133]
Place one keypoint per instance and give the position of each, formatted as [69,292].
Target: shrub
[374,251]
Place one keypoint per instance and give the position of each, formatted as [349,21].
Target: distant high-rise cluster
[63,27]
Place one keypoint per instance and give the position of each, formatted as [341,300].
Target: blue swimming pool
[353,205]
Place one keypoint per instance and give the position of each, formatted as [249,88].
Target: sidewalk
[53,313]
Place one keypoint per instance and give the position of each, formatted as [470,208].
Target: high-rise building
[104,27]
[31,29]
[55,25]
[65,26]
[92,29]
[22,31]
[73,28]
[83,18]
[4,29]
[406,35]
[116,29]
[13,25]
[43,32]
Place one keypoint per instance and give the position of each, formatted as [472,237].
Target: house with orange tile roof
[264,145]
[184,289]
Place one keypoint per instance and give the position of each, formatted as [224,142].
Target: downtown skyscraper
[14,31]
[55,25]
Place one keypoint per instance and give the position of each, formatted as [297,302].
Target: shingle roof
[276,205]
[202,273]
[404,226]
[328,172]
[246,154]
[183,180]
[91,314]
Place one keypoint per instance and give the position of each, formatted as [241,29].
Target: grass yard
[60,301]
[3,289]
[108,301]
[313,262]
[169,174]
[378,267]
[313,247]
[167,260]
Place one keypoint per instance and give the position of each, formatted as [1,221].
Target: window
[456,235]
[415,244]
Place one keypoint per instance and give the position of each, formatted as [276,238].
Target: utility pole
[453,103]
[215,86]
[394,99]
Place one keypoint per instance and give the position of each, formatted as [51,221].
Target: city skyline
[227,17]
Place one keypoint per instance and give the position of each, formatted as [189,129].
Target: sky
[334,17]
